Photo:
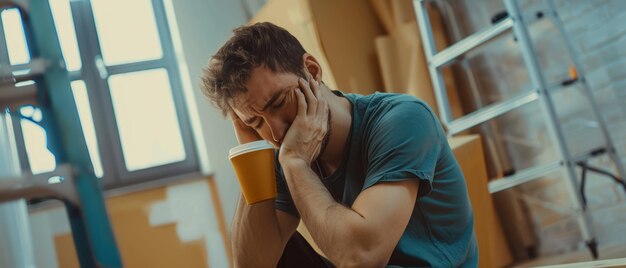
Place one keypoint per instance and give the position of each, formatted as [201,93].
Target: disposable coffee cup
[254,166]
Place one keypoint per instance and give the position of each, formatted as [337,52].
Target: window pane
[67,33]
[15,37]
[40,158]
[146,119]
[86,120]
[127,30]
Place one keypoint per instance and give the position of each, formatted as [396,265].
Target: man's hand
[244,133]
[304,139]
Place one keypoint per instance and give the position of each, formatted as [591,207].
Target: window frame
[16,125]
[115,173]
[98,91]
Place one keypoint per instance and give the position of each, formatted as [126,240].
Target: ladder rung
[606,149]
[38,186]
[8,93]
[523,176]
[24,71]
[491,111]
[15,95]
[461,47]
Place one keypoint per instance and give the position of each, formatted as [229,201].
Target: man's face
[270,105]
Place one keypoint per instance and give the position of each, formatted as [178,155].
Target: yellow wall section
[140,244]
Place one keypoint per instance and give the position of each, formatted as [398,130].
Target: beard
[326,137]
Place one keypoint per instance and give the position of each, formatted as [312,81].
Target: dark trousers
[298,253]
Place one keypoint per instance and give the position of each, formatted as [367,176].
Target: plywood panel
[493,247]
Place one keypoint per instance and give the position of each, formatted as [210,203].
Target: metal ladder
[80,189]
[541,92]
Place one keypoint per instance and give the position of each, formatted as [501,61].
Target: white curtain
[16,249]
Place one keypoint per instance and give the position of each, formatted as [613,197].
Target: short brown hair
[261,44]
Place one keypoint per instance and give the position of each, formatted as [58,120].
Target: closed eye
[278,105]
[259,124]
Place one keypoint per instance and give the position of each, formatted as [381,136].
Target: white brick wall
[598,31]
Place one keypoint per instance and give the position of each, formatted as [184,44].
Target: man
[372,177]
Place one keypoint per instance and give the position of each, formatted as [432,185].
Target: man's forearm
[336,229]
[256,238]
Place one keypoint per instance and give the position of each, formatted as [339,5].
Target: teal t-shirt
[397,137]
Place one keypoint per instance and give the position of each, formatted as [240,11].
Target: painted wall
[204,26]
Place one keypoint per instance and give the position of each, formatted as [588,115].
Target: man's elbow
[255,255]
[249,260]
[361,248]
[362,258]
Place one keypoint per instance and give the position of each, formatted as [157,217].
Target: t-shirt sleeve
[404,143]
[284,202]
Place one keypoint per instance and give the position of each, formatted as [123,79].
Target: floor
[606,253]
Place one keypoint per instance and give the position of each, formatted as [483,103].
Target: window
[138,120]
[125,83]
[14,37]
[128,34]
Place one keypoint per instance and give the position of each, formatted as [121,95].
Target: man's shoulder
[384,101]
[391,106]
[381,97]
[380,111]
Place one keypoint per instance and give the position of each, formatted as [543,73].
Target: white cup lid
[249,147]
